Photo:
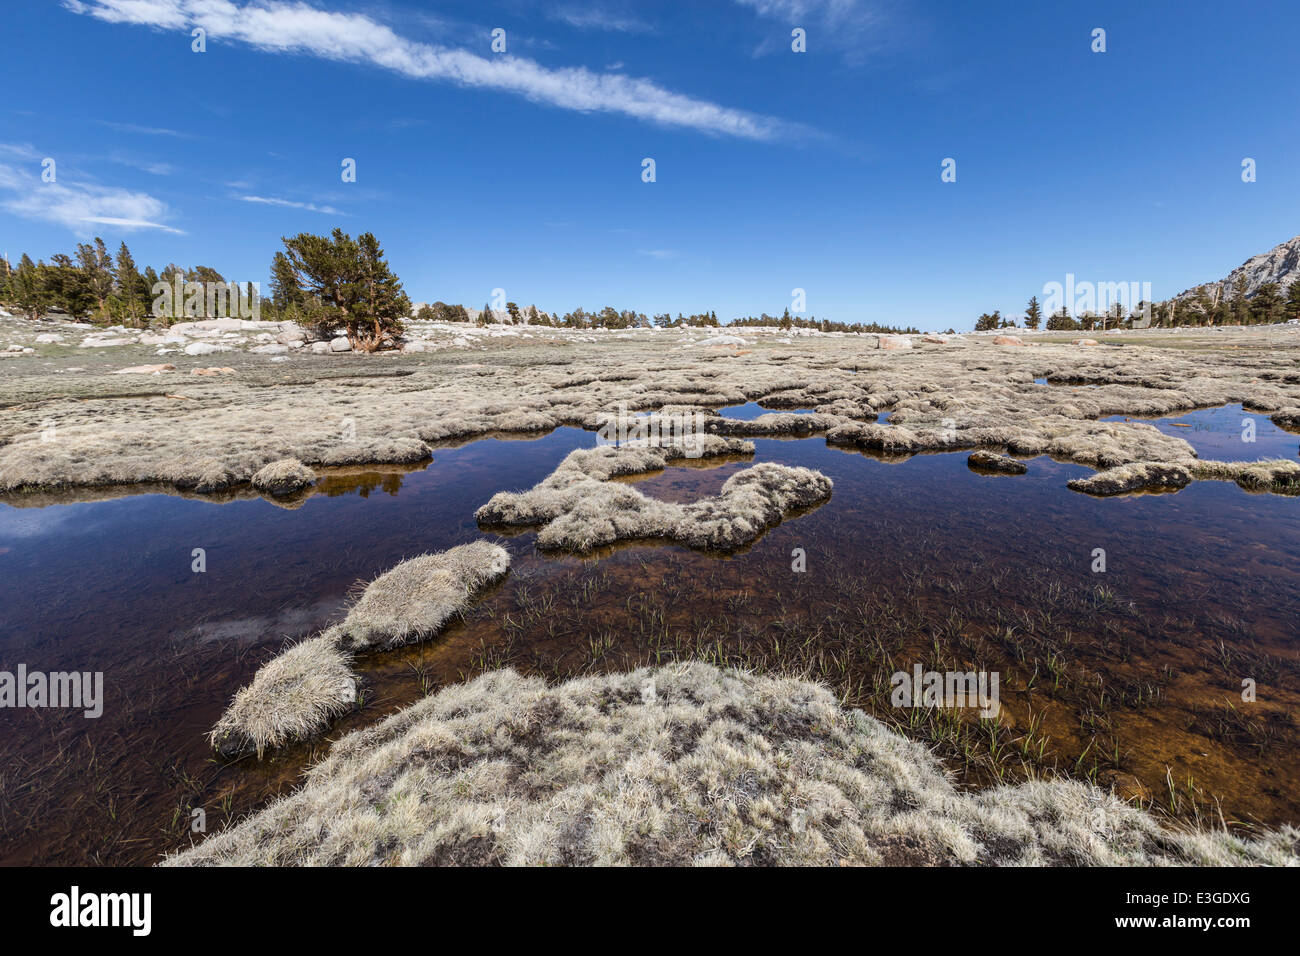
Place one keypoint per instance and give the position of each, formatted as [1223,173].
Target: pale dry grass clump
[893,439]
[68,425]
[283,477]
[1136,476]
[293,697]
[579,508]
[773,424]
[680,765]
[1002,464]
[296,695]
[1278,476]
[417,598]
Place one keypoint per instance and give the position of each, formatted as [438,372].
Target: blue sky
[775,170]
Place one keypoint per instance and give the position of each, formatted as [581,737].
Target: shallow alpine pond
[1226,433]
[1131,676]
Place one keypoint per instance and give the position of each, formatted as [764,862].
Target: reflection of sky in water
[1220,433]
[751,410]
[26,523]
[128,559]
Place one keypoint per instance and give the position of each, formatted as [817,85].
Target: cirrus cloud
[290,204]
[299,28]
[79,205]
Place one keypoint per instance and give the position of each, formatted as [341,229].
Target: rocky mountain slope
[1280,265]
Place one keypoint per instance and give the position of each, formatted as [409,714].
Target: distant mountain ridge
[1280,265]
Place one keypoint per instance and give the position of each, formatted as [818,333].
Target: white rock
[271,349]
[205,348]
[722,340]
[320,348]
[47,338]
[340,344]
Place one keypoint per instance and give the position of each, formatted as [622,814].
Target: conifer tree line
[93,285]
[1204,306]
[611,318]
[341,285]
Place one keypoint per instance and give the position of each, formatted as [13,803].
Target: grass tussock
[283,477]
[296,695]
[293,697]
[579,508]
[416,599]
[1137,476]
[679,765]
[1000,464]
[1278,476]
[773,424]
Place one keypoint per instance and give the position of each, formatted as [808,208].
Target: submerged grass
[296,695]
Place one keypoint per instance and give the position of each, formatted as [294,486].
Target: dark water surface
[1131,674]
[1228,433]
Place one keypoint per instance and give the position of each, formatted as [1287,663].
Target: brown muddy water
[1130,677]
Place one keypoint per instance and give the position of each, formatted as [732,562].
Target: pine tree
[1293,300]
[68,286]
[286,293]
[131,289]
[384,303]
[347,283]
[1033,313]
[28,288]
[1266,303]
[1060,321]
[150,280]
[97,265]
[1240,310]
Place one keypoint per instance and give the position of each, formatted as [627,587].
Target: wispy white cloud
[24,151]
[659,253]
[356,38]
[592,17]
[152,167]
[852,27]
[290,204]
[79,206]
[144,130]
